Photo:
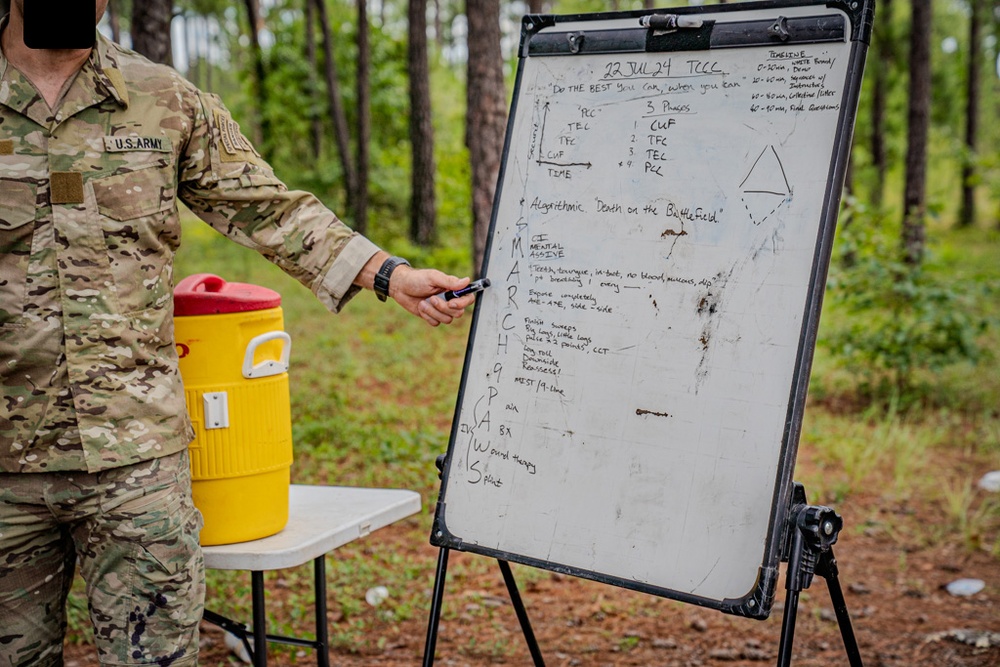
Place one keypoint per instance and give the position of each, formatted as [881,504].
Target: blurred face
[59,24]
[101,6]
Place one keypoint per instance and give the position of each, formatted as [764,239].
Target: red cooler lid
[207,294]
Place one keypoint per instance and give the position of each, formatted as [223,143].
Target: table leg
[259,620]
[322,627]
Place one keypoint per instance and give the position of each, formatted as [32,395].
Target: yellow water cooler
[234,362]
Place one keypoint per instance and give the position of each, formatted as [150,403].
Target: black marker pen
[472,288]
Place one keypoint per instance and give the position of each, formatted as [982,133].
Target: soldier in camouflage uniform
[96,147]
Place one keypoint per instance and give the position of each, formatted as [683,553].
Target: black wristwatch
[383,275]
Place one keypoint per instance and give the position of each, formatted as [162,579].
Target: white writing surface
[628,386]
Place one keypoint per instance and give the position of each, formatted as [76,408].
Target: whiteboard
[635,376]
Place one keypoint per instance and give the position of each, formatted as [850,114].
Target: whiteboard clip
[779,29]
[669,22]
[575,41]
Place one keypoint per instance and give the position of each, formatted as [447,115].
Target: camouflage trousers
[134,532]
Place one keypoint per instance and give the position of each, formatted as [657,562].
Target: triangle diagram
[765,187]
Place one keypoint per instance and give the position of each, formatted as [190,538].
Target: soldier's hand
[418,290]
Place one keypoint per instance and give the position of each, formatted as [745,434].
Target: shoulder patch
[137,143]
[233,146]
[6,146]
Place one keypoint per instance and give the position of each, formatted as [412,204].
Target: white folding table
[320,519]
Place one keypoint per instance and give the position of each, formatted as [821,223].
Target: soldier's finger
[432,311]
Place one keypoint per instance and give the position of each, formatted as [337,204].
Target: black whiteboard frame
[860,13]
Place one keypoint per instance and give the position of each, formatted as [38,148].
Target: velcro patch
[118,81]
[6,146]
[234,147]
[67,187]
[137,143]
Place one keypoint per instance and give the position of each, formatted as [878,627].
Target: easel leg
[827,568]
[322,628]
[809,550]
[436,601]
[259,619]
[793,585]
[788,629]
[522,614]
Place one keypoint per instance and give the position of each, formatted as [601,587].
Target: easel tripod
[811,532]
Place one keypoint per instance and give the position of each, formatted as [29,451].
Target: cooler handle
[269,367]
[201,282]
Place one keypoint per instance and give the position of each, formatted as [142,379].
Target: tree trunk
[914,195]
[191,48]
[967,213]
[338,117]
[884,60]
[151,29]
[364,118]
[313,62]
[438,26]
[535,6]
[422,202]
[262,130]
[486,117]
[206,51]
[114,20]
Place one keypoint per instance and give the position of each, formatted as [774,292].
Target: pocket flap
[17,204]
[134,194]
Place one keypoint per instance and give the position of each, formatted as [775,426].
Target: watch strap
[381,283]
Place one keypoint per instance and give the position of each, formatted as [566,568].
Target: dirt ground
[892,574]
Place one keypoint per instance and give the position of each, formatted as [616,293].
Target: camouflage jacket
[88,231]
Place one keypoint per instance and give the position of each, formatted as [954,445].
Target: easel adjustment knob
[820,525]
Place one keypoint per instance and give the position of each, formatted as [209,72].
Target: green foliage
[949,62]
[295,96]
[589,6]
[289,88]
[203,7]
[78,624]
[898,319]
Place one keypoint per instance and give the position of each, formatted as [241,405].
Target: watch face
[60,24]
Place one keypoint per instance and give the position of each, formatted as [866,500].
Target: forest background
[384,110]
